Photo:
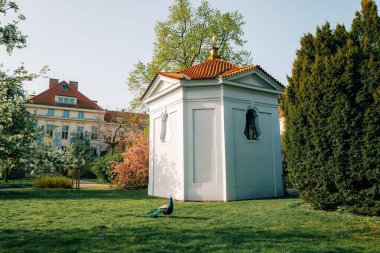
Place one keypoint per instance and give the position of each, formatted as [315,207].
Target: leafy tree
[17,131]
[49,160]
[123,124]
[17,126]
[332,108]
[102,167]
[10,36]
[185,38]
[81,152]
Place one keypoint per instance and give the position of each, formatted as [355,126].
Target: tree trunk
[6,174]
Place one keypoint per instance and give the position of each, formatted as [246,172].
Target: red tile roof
[128,118]
[236,71]
[112,116]
[48,97]
[172,75]
[209,69]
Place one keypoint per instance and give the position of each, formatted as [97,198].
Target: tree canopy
[185,38]
[17,126]
[332,108]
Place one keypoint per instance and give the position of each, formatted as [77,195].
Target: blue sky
[97,42]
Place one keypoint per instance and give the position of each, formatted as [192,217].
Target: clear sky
[97,42]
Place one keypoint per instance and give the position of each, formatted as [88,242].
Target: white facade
[91,123]
[203,153]
[62,111]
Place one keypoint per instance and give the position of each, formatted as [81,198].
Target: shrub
[53,182]
[102,166]
[132,172]
[332,108]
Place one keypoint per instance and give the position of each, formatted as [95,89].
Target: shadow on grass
[17,183]
[169,238]
[64,194]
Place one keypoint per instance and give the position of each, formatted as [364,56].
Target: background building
[62,110]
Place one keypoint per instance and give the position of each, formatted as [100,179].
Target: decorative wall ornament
[164,119]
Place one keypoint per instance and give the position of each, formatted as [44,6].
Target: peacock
[165,209]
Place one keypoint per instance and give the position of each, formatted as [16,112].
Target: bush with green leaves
[53,181]
[332,108]
[102,167]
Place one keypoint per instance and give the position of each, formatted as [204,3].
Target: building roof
[114,116]
[209,69]
[48,97]
[128,118]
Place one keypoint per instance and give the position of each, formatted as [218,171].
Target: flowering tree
[132,172]
[17,131]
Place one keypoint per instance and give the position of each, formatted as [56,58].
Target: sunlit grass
[36,220]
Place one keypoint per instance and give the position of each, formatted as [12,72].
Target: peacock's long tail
[152,214]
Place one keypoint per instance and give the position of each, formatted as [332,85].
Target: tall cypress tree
[332,112]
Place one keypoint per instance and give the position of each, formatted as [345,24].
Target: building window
[65,87]
[66,100]
[65,132]
[251,124]
[66,113]
[80,115]
[107,138]
[50,113]
[49,130]
[119,119]
[94,134]
[80,132]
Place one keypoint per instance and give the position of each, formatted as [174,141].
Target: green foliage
[185,38]
[17,126]
[81,152]
[332,108]
[53,181]
[102,166]
[10,36]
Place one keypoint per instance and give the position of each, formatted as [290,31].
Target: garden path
[88,184]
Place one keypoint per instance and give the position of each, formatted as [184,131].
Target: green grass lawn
[36,220]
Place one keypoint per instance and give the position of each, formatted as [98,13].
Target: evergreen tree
[331,107]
